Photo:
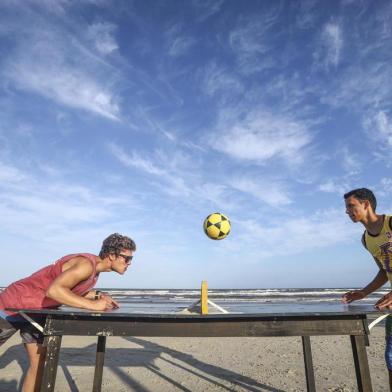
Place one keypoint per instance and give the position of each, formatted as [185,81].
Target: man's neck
[103,265]
[374,223]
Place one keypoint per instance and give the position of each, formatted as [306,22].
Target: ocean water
[236,300]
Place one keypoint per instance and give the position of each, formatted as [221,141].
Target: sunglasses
[126,258]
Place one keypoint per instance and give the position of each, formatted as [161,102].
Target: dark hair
[115,243]
[363,194]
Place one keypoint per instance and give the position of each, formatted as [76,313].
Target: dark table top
[265,311]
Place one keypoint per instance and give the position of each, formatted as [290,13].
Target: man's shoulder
[80,260]
[363,239]
[79,256]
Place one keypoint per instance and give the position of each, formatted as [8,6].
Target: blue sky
[142,117]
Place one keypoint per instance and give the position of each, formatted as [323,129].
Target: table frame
[102,325]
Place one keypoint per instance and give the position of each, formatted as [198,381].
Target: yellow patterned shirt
[380,246]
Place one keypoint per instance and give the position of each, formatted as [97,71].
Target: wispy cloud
[271,192]
[51,62]
[351,166]
[181,45]
[134,160]
[332,186]
[250,41]
[10,175]
[385,188]
[261,136]
[178,42]
[307,14]
[66,85]
[383,191]
[373,92]
[351,162]
[367,42]
[30,201]
[379,128]
[206,8]
[164,169]
[176,174]
[219,80]
[101,35]
[299,234]
[153,124]
[333,40]
[55,6]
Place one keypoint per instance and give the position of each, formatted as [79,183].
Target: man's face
[356,209]
[121,262]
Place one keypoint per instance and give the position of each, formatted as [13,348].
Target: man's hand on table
[353,296]
[105,302]
[384,302]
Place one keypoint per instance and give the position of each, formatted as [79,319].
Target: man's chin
[121,272]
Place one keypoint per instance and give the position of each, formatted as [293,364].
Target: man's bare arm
[379,280]
[61,288]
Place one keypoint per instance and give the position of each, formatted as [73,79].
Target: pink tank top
[30,292]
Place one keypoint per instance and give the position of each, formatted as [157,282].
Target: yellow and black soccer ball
[217,226]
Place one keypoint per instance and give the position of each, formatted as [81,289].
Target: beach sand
[202,364]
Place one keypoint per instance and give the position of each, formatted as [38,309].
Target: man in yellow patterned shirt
[377,239]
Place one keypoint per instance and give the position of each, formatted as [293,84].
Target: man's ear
[111,257]
[366,204]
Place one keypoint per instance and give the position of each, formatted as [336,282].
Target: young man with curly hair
[377,239]
[68,281]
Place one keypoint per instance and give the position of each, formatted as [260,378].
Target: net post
[204,297]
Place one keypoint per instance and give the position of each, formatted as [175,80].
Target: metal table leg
[100,359]
[362,372]
[52,344]
[310,383]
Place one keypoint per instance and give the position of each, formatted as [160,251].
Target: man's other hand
[384,302]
